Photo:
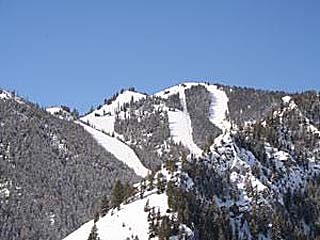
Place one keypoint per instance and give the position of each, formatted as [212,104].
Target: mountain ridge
[245,167]
[226,162]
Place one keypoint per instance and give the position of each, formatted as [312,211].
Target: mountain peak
[193,161]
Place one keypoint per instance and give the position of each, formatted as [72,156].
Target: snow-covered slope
[4,95]
[134,217]
[179,121]
[233,176]
[119,149]
[181,130]
[104,118]
[130,220]
[54,110]
[219,107]
[101,123]
[60,112]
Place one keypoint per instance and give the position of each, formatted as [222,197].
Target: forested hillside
[52,172]
[221,162]
[251,169]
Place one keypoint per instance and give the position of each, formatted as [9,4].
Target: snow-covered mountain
[232,163]
[209,162]
[105,117]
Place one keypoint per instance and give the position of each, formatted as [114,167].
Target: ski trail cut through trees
[119,149]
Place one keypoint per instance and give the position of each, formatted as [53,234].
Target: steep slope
[185,129]
[257,177]
[155,125]
[218,108]
[181,130]
[141,123]
[140,217]
[119,149]
[100,124]
[103,117]
[179,121]
[130,220]
[52,173]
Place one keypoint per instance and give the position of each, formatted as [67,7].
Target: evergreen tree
[165,229]
[142,187]
[94,233]
[150,178]
[96,217]
[75,113]
[147,207]
[105,206]
[117,194]
[276,227]
[128,190]
[161,183]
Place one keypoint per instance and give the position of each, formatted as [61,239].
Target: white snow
[4,191]
[54,110]
[179,121]
[281,155]
[103,123]
[119,149]
[52,219]
[218,108]
[181,130]
[130,220]
[104,118]
[59,112]
[5,95]
[219,105]
[256,183]
[173,90]
[286,99]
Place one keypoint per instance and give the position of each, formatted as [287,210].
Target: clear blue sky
[77,52]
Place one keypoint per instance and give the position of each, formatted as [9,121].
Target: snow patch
[54,110]
[4,191]
[286,99]
[5,95]
[282,156]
